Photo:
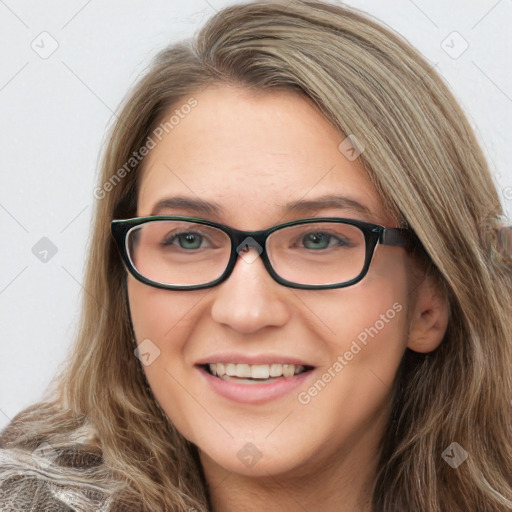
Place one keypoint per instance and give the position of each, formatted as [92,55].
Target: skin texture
[252,155]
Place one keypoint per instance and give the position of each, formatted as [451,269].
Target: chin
[252,459]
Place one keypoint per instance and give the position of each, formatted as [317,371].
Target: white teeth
[242,370]
[255,371]
[276,370]
[288,370]
[260,371]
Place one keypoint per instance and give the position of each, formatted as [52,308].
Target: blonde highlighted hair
[429,169]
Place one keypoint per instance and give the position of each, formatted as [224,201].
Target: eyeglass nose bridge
[249,246]
[241,244]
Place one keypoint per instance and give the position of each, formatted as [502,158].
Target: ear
[428,318]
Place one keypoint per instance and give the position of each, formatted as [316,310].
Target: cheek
[162,322]
[159,314]
[378,317]
[366,340]
[368,331]
[373,313]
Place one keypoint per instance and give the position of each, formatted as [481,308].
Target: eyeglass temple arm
[396,236]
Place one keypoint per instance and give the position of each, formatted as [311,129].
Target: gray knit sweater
[34,480]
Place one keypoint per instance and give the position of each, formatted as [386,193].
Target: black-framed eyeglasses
[189,253]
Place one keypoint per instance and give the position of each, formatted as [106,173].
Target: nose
[250,299]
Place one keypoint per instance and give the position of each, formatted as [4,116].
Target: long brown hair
[426,163]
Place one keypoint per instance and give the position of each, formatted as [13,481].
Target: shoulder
[46,480]
[38,476]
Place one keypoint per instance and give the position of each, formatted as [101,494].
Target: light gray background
[55,109]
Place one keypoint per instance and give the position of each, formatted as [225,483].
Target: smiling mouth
[255,373]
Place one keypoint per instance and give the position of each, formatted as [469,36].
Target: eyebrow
[301,206]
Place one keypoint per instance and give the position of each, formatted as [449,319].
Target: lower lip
[254,393]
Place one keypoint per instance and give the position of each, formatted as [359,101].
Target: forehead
[251,155]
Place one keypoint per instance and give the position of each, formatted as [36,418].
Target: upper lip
[234,357]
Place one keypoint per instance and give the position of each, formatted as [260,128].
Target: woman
[296,298]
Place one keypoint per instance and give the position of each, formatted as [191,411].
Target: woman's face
[252,156]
